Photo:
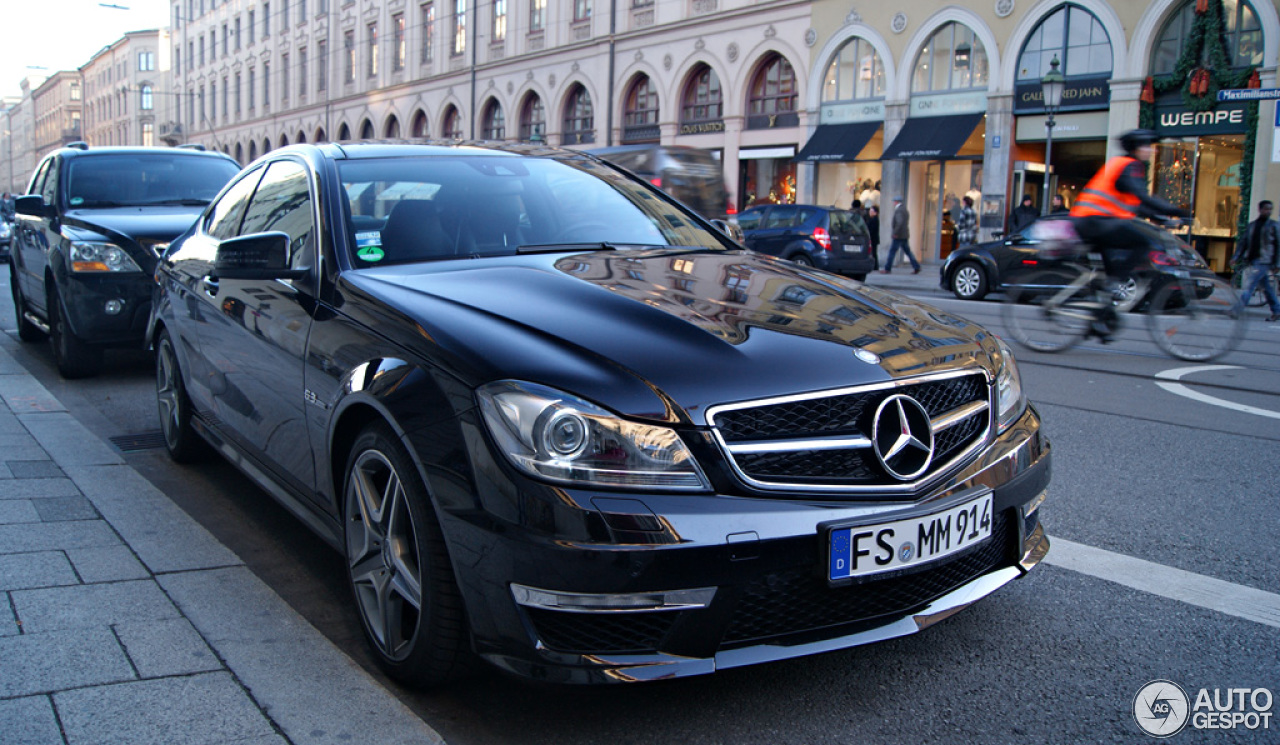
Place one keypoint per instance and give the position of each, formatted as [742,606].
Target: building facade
[126,90]
[57,105]
[936,103]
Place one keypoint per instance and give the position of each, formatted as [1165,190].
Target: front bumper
[719,581]
[86,298]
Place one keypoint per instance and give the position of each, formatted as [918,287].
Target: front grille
[800,600]
[598,633]
[765,441]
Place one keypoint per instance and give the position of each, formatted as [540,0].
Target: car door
[262,329]
[39,235]
[196,299]
[777,228]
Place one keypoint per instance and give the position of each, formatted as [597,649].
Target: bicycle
[1190,312]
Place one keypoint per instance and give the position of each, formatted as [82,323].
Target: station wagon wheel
[75,359]
[397,564]
[968,282]
[180,439]
[801,259]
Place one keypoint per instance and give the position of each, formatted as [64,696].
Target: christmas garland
[1200,85]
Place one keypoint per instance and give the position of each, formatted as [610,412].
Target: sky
[64,34]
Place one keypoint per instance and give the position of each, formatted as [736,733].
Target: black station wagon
[556,420]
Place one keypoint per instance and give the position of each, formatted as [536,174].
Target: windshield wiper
[178,202]
[99,203]
[550,248]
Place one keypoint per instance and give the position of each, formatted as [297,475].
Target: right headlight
[557,437]
[1011,401]
[89,256]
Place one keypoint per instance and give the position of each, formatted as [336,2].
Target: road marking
[1218,595]
[1181,390]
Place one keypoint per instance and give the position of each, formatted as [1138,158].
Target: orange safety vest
[1100,196]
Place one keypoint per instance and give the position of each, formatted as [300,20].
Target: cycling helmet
[1136,138]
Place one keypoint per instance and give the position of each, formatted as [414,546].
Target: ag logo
[1161,708]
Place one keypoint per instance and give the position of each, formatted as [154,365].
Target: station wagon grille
[823,441]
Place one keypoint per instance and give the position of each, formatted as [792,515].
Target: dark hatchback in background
[552,418]
[970,272]
[825,237]
[86,240]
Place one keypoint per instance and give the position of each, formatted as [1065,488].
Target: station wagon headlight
[100,257]
[558,437]
[1010,399]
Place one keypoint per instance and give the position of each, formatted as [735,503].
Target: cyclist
[1105,209]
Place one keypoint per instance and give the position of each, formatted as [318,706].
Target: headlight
[554,436]
[1010,400]
[100,257]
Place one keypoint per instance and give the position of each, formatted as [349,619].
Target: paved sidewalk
[123,622]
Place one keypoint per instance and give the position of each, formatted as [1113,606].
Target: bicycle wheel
[1193,319]
[1259,297]
[1043,316]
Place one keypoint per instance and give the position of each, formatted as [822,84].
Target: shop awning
[838,143]
[932,138]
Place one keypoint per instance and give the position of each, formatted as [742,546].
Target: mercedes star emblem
[902,437]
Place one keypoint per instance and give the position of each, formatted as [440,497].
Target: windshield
[140,179]
[443,207]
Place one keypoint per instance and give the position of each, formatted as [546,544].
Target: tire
[859,277]
[397,565]
[1040,325]
[27,331]
[969,282]
[800,258]
[1193,328]
[184,444]
[75,358]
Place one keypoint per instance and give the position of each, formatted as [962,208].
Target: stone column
[997,165]
[893,173]
[1125,113]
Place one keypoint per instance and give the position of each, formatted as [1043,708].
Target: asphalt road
[1058,656]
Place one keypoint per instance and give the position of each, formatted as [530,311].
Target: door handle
[210,285]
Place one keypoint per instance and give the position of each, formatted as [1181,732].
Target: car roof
[420,148]
[77,152]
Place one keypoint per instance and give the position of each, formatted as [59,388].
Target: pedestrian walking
[1259,248]
[873,227]
[900,233]
[967,225]
[1023,215]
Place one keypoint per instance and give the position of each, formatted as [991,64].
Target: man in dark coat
[1023,215]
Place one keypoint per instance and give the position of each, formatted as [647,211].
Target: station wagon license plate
[860,550]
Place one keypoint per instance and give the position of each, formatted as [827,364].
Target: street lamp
[1051,86]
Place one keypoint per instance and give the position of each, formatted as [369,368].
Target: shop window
[579,120]
[855,73]
[953,59]
[1241,36]
[1073,36]
[452,126]
[494,123]
[1203,174]
[703,99]
[533,120]
[773,95]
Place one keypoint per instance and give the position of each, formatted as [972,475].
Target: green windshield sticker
[371,253]
[77,200]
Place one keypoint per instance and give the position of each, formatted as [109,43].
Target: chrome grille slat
[821,441]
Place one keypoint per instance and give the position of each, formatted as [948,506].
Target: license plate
[861,550]
[855,249]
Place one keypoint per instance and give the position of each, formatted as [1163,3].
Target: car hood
[143,224]
[695,328]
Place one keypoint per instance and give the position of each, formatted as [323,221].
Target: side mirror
[31,205]
[256,256]
[728,228]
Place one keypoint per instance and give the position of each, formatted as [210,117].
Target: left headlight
[558,437]
[100,257]
[1010,399]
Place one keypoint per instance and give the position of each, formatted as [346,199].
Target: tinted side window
[283,202]
[224,219]
[37,181]
[750,220]
[49,189]
[782,217]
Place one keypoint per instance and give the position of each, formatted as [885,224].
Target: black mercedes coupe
[556,420]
